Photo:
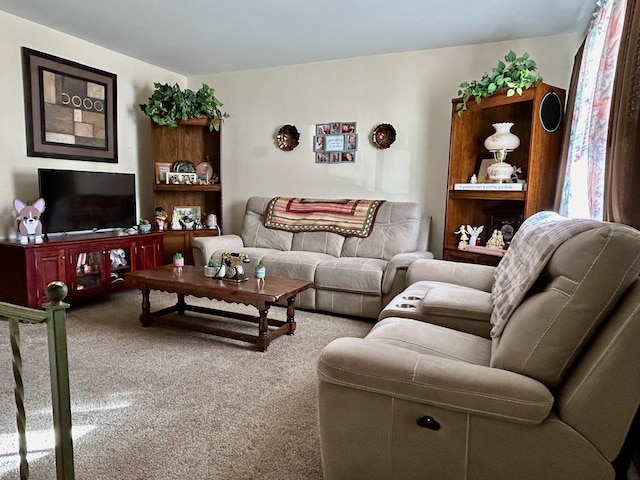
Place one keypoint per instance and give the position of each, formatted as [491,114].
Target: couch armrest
[401,261]
[470,275]
[457,385]
[204,247]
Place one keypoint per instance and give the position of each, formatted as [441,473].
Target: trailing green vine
[518,74]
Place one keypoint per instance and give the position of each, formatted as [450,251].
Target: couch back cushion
[255,234]
[320,242]
[396,230]
[574,294]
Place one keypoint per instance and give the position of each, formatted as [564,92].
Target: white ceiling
[194,37]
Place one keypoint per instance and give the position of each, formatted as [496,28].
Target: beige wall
[135,83]
[412,91]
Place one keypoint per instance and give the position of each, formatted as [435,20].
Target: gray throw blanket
[532,247]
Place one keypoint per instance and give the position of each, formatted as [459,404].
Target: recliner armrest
[400,261]
[204,247]
[457,385]
[470,275]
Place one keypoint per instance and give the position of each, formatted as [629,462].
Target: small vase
[260,272]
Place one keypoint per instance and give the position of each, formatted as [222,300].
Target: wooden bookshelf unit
[537,116]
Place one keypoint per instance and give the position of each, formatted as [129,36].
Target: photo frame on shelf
[161,172]
[70,109]
[482,163]
[189,212]
[177,178]
[506,222]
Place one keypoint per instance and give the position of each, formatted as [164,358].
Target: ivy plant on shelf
[168,104]
[518,74]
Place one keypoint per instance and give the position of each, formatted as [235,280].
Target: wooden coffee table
[193,282]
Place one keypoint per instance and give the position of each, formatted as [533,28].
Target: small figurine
[462,244]
[161,218]
[496,240]
[473,179]
[474,232]
[29,225]
[514,175]
[175,223]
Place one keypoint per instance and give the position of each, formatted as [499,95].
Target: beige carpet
[161,403]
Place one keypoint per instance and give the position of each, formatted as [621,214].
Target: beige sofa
[351,275]
[437,391]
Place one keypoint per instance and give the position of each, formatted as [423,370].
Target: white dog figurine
[29,225]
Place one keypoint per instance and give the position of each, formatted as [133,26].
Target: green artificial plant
[518,74]
[168,104]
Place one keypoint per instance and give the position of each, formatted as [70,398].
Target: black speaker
[551,109]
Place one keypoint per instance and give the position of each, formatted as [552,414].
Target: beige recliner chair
[530,370]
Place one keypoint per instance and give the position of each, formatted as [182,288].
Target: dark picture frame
[507,222]
[70,109]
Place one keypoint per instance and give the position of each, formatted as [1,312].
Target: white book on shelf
[517,187]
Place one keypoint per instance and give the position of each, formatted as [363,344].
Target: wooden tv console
[90,265]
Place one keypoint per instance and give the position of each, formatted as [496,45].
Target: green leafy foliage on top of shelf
[518,74]
[168,104]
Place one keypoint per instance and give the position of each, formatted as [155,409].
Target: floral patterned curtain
[583,188]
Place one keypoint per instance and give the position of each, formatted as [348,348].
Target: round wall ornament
[383,136]
[288,137]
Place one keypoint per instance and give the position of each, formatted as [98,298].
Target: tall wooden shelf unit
[193,141]
[534,114]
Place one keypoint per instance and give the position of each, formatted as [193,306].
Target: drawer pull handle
[428,422]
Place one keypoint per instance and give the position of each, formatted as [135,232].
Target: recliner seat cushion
[351,274]
[581,283]
[294,264]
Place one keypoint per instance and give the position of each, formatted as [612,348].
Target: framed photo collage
[335,142]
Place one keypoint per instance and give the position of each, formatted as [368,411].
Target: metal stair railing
[54,316]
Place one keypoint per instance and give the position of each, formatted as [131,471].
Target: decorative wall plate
[288,137]
[184,166]
[204,171]
[383,135]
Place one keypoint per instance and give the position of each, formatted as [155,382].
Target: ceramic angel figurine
[462,244]
[474,232]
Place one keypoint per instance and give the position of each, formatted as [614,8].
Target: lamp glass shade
[502,139]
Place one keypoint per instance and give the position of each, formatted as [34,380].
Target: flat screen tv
[77,201]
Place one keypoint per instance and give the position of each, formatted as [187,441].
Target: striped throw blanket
[532,247]
[346,217]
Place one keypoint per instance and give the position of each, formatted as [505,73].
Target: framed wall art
[336,142]
[70,109]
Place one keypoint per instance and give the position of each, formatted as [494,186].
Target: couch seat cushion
[433,340]
[294,264]
[351,274]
